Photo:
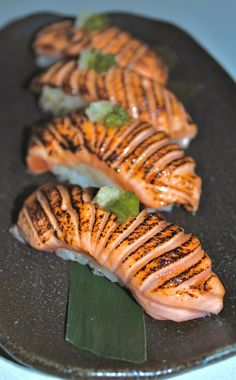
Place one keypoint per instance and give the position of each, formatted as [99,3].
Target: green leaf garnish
[94,59]
[107,113]
[118,201]
[103,318]
[91,21]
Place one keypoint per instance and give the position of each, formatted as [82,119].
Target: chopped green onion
[94,59]
[91,21]
[107,194]
[113,120]
[118,117]
[111,115]
[120,202]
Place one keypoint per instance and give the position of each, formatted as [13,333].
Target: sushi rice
[82,175]
[80,257]
[85,259]
[43,61]
[57,102]
[87,176]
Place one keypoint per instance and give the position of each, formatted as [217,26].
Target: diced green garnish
[97,111]
[91,21]
[94,59]
[87,59]
[107,195]
[113,120]
[118,117]
[118,201]
[111,115]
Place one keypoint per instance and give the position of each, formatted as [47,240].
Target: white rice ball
[57,102]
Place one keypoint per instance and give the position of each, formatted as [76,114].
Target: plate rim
[29,360]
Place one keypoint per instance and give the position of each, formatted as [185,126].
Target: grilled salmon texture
[62,39]
[136,157]
[141,97]
[166,270]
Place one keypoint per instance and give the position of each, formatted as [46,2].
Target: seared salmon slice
[63,40]
[166,270]
[143,98]
[136,157]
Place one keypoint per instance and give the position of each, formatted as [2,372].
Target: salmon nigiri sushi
[66,87]
[66,39]
[135,157]
[166,270]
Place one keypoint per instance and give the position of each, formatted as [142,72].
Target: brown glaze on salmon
[63,40]
[135,157]
[166,270]
[141,97]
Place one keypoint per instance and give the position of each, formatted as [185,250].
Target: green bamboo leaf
[103,318]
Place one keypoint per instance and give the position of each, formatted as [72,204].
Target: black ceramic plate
[34,285]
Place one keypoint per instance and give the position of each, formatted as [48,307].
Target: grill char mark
[157,156]
[168,258]
[186,275]
[47,138]
[144,227]
[62,216]
[158,239]
[172,166]
[115,155]
[120,229]
[137,150]
[75,193]
[120,134]
[40,220]
[66,136]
